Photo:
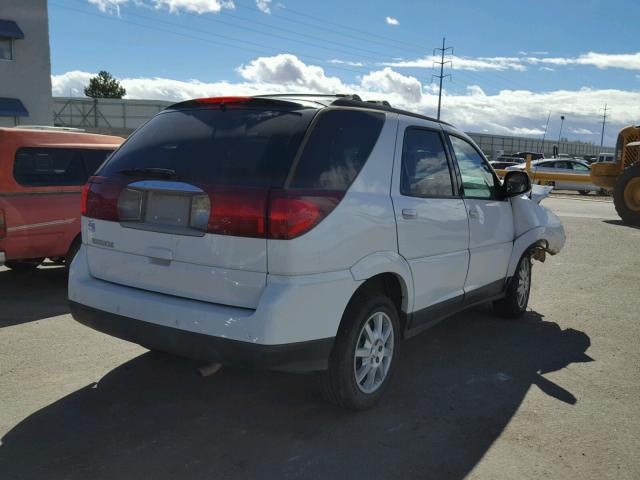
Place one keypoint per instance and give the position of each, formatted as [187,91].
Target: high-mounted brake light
[226,100]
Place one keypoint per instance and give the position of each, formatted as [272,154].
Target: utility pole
[544,135]
[442,63]
[604,121]
[560,134]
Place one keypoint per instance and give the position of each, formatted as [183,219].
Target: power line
[442,62]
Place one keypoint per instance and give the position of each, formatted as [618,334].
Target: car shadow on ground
[32,295]
[456,389]
[620,223]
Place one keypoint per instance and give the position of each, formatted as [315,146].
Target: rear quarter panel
[363,223]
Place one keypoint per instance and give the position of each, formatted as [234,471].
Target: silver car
[556,165]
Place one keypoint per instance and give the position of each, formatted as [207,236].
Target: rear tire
[364,354]
[24,265]
[516,298]
[584,192]
[626,195]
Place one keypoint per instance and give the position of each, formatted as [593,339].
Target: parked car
[562,166]
[301,233]
[501,165]
[606,157]
[534,155]
[42,171]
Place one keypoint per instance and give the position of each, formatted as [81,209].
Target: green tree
[104,85]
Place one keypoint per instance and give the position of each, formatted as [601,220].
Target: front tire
[626,195]
[516,298]
[584,192]
[364,354]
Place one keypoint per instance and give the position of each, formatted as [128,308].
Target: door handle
[409,213]
[473,214]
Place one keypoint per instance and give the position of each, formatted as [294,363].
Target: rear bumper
[293,357]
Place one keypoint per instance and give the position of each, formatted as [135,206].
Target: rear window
[251,147]
[48,167]
[338,147]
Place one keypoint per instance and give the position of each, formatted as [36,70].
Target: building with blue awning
[25,67]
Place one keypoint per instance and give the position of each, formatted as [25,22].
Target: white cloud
[582,131]
[174,6]
[392,21]
[547,69]
[389,82]
[264,5]
[108,6]
[627,61]
[464,63]
[515,112]
[287,69]
[337,61]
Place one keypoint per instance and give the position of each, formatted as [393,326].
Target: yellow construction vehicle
[622,175]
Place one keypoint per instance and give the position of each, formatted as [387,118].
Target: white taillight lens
[130,205]
[200,210]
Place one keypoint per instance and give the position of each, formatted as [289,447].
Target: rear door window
[337,149]
[249,147]
[425,169]
[48,167]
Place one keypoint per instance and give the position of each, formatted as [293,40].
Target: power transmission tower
[604,121]
[442,63]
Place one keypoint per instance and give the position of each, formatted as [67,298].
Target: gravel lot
[554,395]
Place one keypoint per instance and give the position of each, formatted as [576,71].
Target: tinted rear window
[338,147]
[42,167]
[236,146]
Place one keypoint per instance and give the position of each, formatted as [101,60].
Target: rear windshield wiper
[150,172]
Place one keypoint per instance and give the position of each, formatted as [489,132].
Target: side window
[337,149]
[477,178]
[425,170]
[579,167]
[48,167]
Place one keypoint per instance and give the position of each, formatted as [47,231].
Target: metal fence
[104,113]
[121,117]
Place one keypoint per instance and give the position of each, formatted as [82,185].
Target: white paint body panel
[291,309]
[491,238]
[212,268]
[360,225]
[436,242]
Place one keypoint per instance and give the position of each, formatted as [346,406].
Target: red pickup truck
[42,171]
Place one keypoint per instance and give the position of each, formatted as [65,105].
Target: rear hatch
[180,208]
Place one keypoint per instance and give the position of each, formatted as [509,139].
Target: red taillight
[3,224]
[100,198]
[295,212]
[237,211]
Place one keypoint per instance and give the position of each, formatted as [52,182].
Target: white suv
[301,233]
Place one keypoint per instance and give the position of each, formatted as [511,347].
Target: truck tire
[626,195]
[365,353]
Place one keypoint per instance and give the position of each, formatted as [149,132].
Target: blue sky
[513,62]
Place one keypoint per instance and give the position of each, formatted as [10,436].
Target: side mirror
[516,183]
